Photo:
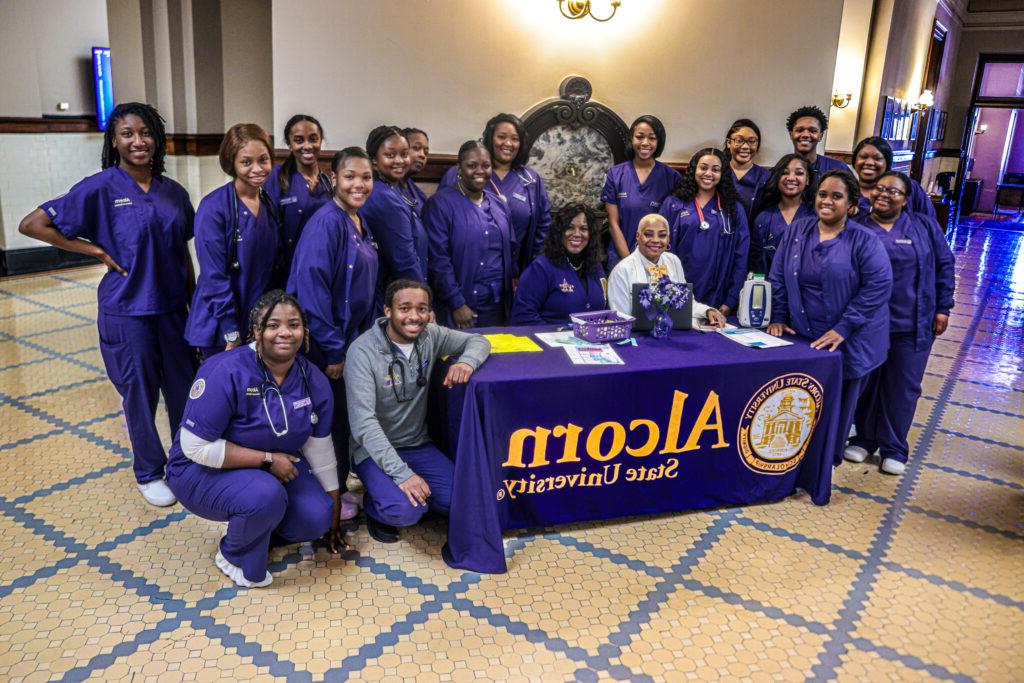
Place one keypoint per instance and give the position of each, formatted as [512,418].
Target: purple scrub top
[227,402]
[549,293]
[715,259]
[296,207]
[395,217]
[823,164]
[750,184]
[458,245]
[856,281]
[623,189]
[145,232]
[766,233]
[334,277]
[224,295]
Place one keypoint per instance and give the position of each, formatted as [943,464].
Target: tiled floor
[915,578]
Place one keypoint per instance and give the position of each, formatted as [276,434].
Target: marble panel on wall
[572,162]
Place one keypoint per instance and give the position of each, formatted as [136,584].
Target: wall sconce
[577,9]
[841,100]
[924,100]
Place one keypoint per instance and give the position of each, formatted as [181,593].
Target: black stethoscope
[421,379]
[269,385]
[265,201]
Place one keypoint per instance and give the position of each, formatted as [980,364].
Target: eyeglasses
[748,142]
[891,191]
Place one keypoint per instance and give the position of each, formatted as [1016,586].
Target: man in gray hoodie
[386,375]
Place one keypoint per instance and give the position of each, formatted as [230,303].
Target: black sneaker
[385,533]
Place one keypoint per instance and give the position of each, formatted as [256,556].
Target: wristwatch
[268,461]
[231,337]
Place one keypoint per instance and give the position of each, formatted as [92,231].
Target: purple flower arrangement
[658,298]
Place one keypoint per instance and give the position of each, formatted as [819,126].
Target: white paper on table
[755,339]
[593,355]
[561,339]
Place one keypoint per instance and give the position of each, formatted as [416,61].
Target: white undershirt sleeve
[319,453]
[209,453]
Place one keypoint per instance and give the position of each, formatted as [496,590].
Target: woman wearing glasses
[334,277]
[567,278]
[742,143]
[709,230]
[831,282]
[922,296]
[254,449]
[872,158]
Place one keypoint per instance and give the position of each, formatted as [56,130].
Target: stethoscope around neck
[236,235]
[705,225]
[421,379]
[268,385]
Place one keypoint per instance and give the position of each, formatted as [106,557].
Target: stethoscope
[236,233]
[704,224]
[421,379]
[269,385]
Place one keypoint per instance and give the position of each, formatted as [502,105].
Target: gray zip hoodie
[386,408]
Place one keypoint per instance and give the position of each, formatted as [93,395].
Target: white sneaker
[893,466]
[855,454]
[157,493]
[235,573]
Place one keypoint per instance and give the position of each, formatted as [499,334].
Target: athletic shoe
[893,466]
[235,574]
[157,493]
[855,454]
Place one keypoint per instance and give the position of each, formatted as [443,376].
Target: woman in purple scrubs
[419,152]
[872,158]
[831,282]
[922,296]
[567,278]
[137,222]
[636,187]
[742,143]
[334,278]
[298,187]
[254,449]
[237,241]
[787,197]
[517,184]
[709,230]
[470,238]
[393,212]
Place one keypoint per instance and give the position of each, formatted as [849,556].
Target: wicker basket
[600,327]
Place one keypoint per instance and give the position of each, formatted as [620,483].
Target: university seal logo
[777,423]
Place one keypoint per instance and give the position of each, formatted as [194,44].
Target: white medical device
[755,303]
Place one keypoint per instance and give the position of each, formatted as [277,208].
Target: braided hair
[153,121]
[687,189]
[284,179]
[260,314]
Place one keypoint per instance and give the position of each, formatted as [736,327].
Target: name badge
[288,200]
[302,403]
[902,241]
[622,195]
[520,197]
[123,201]
[683,213]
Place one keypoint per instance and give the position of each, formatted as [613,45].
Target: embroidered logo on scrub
[302,403]
[198,387]
[123,201]
[566,287]
[288,200]
[778,421]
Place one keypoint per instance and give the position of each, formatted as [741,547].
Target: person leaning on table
[648,262]
[387,372]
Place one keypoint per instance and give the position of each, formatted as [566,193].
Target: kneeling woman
[568,277]
[254,449]
[470,245]
[648,263]
[831,281]
[922,296]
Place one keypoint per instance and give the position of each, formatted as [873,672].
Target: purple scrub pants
[255,505]
[146,355]
[886,408]
[852,388]
[386,503]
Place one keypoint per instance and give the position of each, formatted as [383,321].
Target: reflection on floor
[909,578]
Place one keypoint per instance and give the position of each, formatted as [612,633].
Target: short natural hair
[652,218]
[237,137]
[804,112]
[405,283]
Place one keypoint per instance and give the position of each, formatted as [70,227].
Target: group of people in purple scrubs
[296,267]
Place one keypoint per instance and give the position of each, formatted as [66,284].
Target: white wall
[849,73]
[448,66]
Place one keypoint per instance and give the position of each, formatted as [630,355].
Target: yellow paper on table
[511,343]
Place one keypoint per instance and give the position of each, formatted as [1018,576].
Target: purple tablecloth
[695,421]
